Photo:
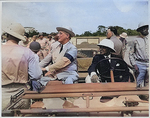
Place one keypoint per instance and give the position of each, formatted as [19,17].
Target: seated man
[106,48]
[63,56]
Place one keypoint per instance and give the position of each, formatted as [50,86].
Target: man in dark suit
[106,48]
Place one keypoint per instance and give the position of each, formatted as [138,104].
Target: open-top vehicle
[86,97]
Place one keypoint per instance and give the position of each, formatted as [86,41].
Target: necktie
[61,48]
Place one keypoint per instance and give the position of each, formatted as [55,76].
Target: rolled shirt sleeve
[68,58]
[46,61]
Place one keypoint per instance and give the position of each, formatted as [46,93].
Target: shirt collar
[66,44]
[107,56]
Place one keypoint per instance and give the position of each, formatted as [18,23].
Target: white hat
[68,30]
[141,25]
[124,35]
[107,43]
[16,30]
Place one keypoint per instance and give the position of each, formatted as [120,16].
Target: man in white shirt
[139,54]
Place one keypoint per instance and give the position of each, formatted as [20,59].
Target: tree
[87,33]
[101,30]
[31,34]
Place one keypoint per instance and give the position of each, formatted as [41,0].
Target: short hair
[113,29]
[10,37]
[41,34]
[26,34]
[49,36]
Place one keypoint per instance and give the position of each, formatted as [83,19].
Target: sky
[80,15]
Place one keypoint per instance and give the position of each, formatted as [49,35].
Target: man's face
[41,37]
[63,37]
[104,50]
[144,31]
[34,38]
[109,34]
[26,39]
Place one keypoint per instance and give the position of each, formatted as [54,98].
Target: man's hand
[95,79]
[43,69]
[49,74]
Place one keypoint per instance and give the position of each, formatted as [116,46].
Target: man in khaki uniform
[44,47]
[18,65]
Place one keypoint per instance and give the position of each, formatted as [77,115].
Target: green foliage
[34,32]
[102,31]
[31,34]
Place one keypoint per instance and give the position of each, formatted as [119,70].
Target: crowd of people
[41,59]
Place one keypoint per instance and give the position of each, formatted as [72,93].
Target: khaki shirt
[18,63]
[44,43]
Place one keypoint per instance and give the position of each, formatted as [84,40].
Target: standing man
[111,34]
[51,41]
[18,65]
[63,56]
[122,38]
[44,47]
[139,54]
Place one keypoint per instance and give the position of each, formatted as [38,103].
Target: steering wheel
[117,65]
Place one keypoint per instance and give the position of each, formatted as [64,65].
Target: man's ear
[68,36]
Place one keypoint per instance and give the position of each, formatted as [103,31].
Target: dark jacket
[120,69]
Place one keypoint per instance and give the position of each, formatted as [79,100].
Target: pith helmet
[16,30]
[107,43]
[124,35]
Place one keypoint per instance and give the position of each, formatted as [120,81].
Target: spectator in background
[51,41]
[25,43]
[44,47]
[56,38]
[111,34]
[139,54]
[122,38]
[33,39]
[18,65]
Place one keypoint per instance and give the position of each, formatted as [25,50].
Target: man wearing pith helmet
[106,49]
[18,65]
[139,54]
[63,56]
